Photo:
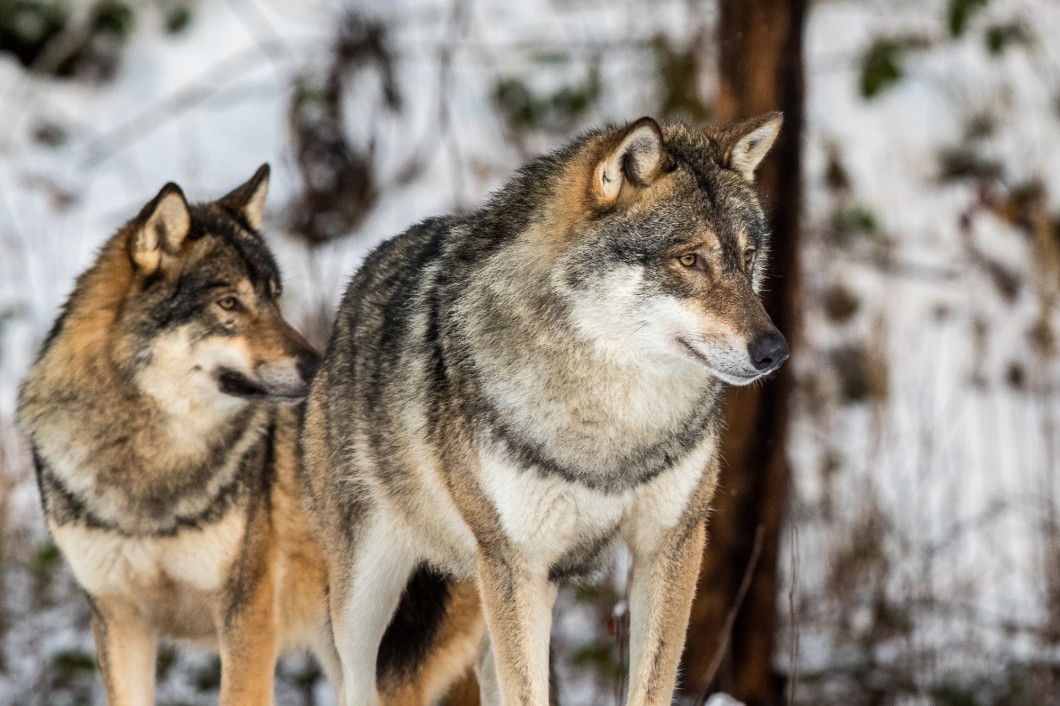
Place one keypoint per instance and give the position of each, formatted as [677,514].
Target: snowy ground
[960,476]
[957,466]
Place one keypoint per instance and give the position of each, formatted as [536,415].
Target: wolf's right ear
[164,223]
[248,200]
[638,159]
[745,144]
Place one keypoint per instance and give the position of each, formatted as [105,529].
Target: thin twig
[151,118]
[793,668]
[458,26]
[730,619]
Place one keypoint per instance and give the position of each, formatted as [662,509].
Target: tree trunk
[760,66]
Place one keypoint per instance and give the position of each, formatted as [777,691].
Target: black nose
[307,367]
[768,351]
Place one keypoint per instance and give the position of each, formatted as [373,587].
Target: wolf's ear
[638,159]
[745,144]
[164,223]
[248,200]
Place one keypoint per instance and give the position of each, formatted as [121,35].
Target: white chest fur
[107,563]
[546,515]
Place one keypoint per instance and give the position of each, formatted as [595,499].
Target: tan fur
[578,193]
[510,392]
[249,636]
[132,431]
[125,648]
[661,598]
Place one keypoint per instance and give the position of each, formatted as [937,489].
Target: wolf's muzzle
[308,366]
[768,351]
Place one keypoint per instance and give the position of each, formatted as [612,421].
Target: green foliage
[855,219]
[46,563]
[952,694]
[678,79]
[517,102]
[1000,37]
[31,29]
[959,14]
[883,65]
[599,655]
[8,315]
[178,20]
[177,15]
[964,161]
[26,26]
[114,18]
[525,109]
[550,57]
[70,677]
[73,661]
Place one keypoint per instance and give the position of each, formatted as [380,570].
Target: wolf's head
[200,322]
[666,243]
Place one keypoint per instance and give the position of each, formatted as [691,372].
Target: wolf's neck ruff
[573,386]
[109,483]
[565,405]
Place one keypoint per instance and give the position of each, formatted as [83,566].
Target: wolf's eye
[689,260]
[228,303]
[748,257]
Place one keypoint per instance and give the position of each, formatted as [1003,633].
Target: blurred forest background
[888,529]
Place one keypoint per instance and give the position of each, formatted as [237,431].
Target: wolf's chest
[147,568]
[547,514]
[556,521]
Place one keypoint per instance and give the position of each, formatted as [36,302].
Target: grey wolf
[508,393]
[160,415]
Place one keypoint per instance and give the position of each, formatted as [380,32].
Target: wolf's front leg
[364,593]
[518,607]
[125,649]
[322,646]
[664,584]
[247,632]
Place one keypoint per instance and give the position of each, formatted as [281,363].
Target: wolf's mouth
[729,377]
[237,384]
[695,354]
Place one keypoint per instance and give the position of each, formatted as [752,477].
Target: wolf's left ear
[163,225]
[745,144]
[638,159]
[248,201]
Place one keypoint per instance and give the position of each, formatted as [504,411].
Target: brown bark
[760,66]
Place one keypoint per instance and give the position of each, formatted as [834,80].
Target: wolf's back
[375,325]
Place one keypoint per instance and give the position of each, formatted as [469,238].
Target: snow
[962,475]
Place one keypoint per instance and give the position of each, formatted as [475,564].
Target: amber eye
[748,257]
[228,303]
[689,260]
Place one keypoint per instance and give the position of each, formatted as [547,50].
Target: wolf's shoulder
[398,257]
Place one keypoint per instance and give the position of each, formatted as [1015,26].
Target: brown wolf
[508,393]
[167,458]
